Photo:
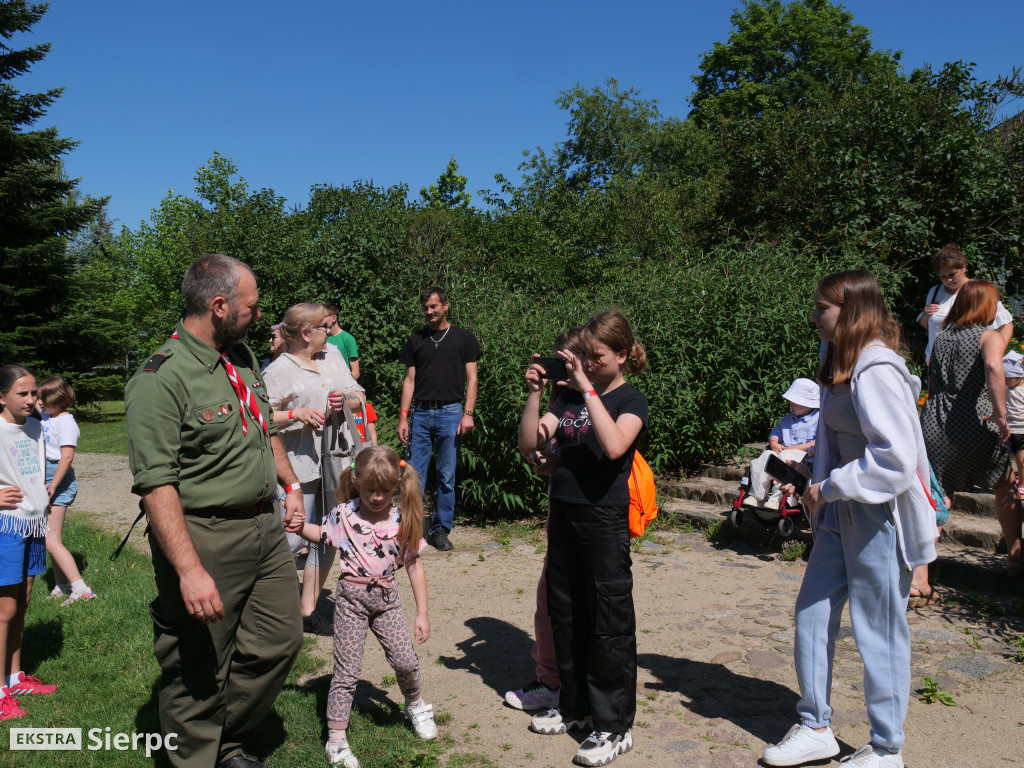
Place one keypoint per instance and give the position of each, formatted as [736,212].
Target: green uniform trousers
[220,680]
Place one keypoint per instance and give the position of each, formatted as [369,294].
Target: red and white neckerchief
[245,396]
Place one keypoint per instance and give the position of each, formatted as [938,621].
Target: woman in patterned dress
[964,429]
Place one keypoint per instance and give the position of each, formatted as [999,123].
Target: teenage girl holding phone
[597,422]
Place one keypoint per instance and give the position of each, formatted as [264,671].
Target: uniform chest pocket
[214,414]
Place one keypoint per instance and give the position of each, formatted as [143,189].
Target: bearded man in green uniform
[206,461]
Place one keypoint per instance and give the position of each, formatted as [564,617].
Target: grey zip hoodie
[894,471]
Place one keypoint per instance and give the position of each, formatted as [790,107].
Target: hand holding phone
[785,474]
[554,368]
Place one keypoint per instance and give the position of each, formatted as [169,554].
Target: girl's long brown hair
[863,318]
[379,468]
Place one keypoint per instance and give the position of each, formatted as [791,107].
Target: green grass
[103,428]
[530,531]
[100,654]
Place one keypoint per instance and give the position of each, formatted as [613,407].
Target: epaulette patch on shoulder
[156,361]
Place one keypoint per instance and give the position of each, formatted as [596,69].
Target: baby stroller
[785,514]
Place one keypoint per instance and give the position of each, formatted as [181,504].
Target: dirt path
[716,678]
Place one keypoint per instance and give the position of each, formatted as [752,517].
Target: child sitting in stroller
[792,439]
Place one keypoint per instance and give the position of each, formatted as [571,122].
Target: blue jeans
[433,430]
[855,557]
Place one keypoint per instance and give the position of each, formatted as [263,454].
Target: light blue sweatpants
[855,557]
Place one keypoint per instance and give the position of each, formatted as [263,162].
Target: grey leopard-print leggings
[358,607]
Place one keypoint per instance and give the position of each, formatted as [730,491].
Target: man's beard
[227,332]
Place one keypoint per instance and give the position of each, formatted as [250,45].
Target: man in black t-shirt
[441,361]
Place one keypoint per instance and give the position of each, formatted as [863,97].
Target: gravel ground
[714,622]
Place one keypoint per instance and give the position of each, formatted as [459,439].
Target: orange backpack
[642,505]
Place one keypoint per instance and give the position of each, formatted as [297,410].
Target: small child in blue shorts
[23,508]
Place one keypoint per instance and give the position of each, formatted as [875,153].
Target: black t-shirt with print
[440,360]
[584,474]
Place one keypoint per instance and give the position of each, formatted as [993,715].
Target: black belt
[232,513]
[433,405]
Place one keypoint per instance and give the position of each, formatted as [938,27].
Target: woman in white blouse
[951,268]
[302,383]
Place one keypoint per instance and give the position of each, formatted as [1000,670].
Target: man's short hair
[426,293]
[330,308]
[210,276]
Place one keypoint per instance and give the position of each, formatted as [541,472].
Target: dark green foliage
[778,55]
[38,213]
[450,190]
[808,152]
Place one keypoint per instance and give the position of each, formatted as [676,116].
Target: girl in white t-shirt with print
[61,431]
[23,505]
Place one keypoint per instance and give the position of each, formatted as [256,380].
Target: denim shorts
[20,557]
[68,488]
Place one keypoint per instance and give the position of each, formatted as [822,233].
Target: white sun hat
[804,392]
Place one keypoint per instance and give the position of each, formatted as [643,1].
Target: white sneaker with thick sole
[535,695]
[421,718]
[772,502]
[801,745]
[751,501]
[551,723]
[340,754]
[870,756]
[601,747]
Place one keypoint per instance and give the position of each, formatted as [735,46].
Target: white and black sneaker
[551,723]
[602,747]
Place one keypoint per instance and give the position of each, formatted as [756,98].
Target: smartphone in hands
[785,474]
[554,368]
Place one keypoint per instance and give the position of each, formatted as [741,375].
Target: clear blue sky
[331,91]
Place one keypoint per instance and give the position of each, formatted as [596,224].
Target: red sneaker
[31,685]
[10,708]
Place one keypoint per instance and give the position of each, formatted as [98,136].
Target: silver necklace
[438,342]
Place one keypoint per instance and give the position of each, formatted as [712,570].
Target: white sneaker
[58,592]
[340,754]
[550,723]
[535,695]
[751,501]
[801,745]
[870,756]
[421,718]
[772,502]
[85,594]
[601,747]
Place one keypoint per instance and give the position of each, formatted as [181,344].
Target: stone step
[961,530]
[980,503]
[968,530]
[709,490]
[718,472]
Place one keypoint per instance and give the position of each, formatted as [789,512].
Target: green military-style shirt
[184,427]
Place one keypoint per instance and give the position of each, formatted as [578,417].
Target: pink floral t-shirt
[367,549]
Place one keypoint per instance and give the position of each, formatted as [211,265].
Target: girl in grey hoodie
[873,521]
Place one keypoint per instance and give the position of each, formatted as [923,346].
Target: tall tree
[779,54]
[450,190]
[38,209]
